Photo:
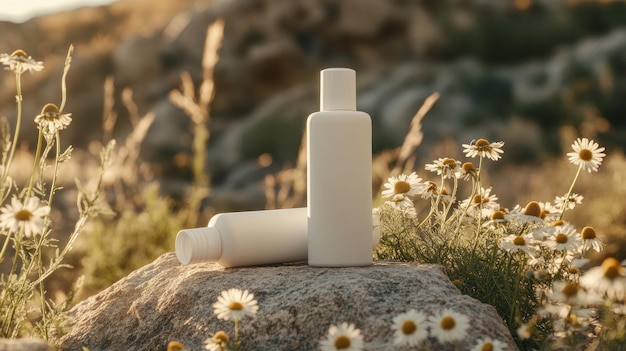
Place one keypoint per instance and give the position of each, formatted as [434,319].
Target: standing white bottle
[339,175]
[247,238]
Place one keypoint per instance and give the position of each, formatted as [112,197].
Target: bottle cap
[198,245]
[337,89]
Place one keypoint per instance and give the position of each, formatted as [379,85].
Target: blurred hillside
[518,71]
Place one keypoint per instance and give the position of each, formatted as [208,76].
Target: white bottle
[247,238]
[339,175]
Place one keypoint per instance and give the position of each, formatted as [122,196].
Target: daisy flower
[28,216]
[218,342]
[483,148]
[51,119]
[448,167]
[587,154]
[467,172]
[400,202]
[409,328]
[568,202]
[608,279]
[234,304]
[403,185]
[590,240]
[497,218]
[448,325]
[344,337]
[516,243]
[526,330]
[563,238]
[483,201]
[19,62]
[530,214]
[488,344]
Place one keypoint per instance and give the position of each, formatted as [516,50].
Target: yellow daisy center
[175,346]
[519,241]
[468,167]
[401,187]
[456,282]
[561,238]
[408,328]
[221,337]
[479,199]
[588,233]
[342,342]
[557,223]
[23,215]
[487,347]
[497,215]
[585,155]
[50,109]
[449,162]
[235,306]
[570,289]
[481,143]
[448,323]
[611,268]
[19,53]
[532,209]
[573,270]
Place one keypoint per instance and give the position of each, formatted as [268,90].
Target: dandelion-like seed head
[533,209]
[588,233]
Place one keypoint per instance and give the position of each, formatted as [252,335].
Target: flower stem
[569,192]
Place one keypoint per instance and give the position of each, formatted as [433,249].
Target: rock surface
[165,301]
[24,345]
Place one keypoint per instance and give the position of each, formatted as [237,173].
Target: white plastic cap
[337,89]
[198,245]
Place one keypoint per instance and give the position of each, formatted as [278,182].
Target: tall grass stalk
[25,224]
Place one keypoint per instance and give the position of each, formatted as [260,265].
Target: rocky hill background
[517,71]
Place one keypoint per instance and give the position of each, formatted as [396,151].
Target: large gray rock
[27,344]
[166,301]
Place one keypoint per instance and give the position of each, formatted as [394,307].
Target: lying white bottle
[249,238]
[339,175]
